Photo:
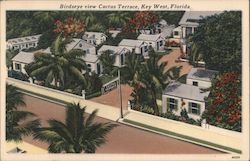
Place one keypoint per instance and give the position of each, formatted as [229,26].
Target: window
[145,48]
[87,51]
[161,43]
[122,59]
[80,45]
[89,67]
[18,66]
[188,31]
[194,108]
[172,104]
[98,68]
[195,83]
[176,33]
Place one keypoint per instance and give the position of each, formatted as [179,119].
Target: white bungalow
[190,96]
[137,46]
[23,42]
[120,53]
[189,23]
[94,38]
[21,60]
[177,33]
[156,41]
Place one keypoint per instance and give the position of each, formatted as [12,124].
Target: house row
[190,96]
[23,42]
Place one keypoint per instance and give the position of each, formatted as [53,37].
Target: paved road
[123,139]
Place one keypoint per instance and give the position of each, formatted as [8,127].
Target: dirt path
[123,139]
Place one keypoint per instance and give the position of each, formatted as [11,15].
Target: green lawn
[106,78]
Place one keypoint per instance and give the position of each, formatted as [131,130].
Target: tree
[107,59]
[224,102]
[133,63]
[219,40]
[18,123]
[78,134]
[9,55]
[155,78]
[118,19]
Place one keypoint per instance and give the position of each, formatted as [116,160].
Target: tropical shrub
[18,75]
[224,102]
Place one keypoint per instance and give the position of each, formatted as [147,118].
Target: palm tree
[107,59]
[59,65]
[155,78]
[133,62]
[194,55]
[18,123]
[78,134]
[118,19]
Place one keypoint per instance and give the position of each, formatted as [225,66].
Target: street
[122,139]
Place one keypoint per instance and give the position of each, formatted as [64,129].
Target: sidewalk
[183,131]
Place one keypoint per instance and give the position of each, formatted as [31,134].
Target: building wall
[180,107]
[201,83]
[100,40]
[21,69]
[154,44]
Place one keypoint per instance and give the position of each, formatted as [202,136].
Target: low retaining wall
[212,134]
[104,111]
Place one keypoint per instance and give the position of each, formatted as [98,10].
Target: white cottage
[94,38]
[119,51]
[23,42]
[189,23]
[156,41]
[137,46]
[190,96]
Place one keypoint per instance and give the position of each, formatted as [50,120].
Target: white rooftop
[25,57]
[115,49]
[97,34]
[192,17]
[75,42]
[185,91]
[114,33]
[131,43]
[201,74]
[26,39]
[148,37]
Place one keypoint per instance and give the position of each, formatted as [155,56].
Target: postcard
[124,80]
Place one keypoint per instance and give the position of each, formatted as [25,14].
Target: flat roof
[115,49]
[201,74]
[131,42]
[185,91]
[25,57]
[149,37]
[26,39]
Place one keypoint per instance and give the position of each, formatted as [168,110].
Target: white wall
[22,67]
[178,111]
[204,84]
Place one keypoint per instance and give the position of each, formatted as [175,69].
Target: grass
[182,136]
[106,78]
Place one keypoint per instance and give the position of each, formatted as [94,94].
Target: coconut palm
[133,62]
[107,59]
[154,77]
[18,123]
[194,55]
[59,65]
[78,134]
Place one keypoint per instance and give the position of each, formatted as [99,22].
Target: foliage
[140,21]
[18,75]
[224,102]
[18,123]
[9,55]
[184,114]
[59,66]
[107,59]
[69,27]
[78,134]
[218,39]
[118,19]
[46,39]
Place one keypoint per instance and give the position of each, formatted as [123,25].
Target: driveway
[123,139]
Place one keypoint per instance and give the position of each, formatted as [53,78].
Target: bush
[89,96]
[18,75]
[184,114]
